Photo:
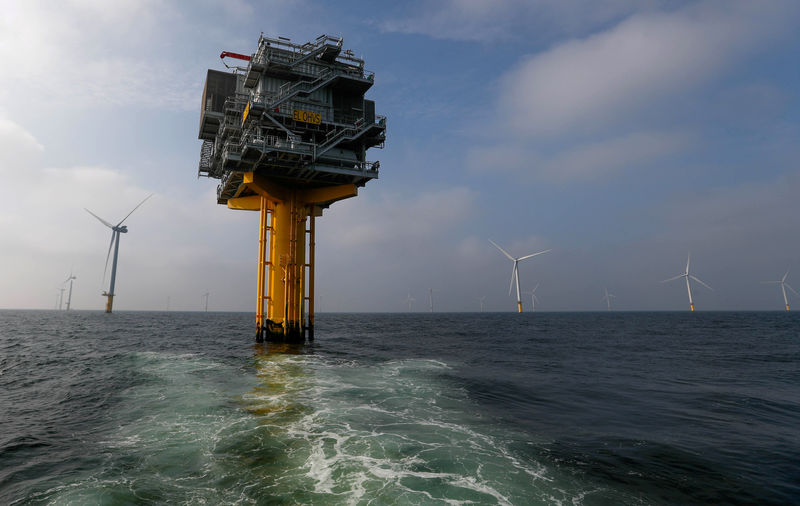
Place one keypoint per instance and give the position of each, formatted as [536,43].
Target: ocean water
[537,408]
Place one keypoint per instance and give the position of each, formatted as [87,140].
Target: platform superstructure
[287,135]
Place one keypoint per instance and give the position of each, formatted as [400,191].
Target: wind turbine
[481,299]
[116,230]
[410,300]
[607,297]
[784,285]
[534,298]
[515,270]
[61,297]
[430,298]
[686,275]
[69,297]
[206,296]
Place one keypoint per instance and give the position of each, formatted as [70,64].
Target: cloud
[15,141]
[507,20]
[390,220]
[586,162]
[602,80]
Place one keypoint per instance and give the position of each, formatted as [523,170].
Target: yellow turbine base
[691,307]
[519,306]
[285,291]
[787,307]
[109,303]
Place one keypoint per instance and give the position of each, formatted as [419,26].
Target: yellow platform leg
[285,279]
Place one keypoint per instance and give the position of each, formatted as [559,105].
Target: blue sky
[621,134]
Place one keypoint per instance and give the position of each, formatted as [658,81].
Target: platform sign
[314,118]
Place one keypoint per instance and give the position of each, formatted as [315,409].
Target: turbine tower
[784,286]
[607,297]
[686,276]
[534,298]
[205,295]
[430,298]
[69,297]
[410,300]
[116,230]
[481,299]
[515,271]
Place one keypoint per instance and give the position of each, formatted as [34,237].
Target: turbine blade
[135,208]
[501,249]
[513,272]
[533,255]
[688,259]
[534,288]
[784,276]
[104,222]
[790,288]
[107,256]
[698,280]
[771,282]
[674,278]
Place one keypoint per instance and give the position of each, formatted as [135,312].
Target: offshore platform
[287,135]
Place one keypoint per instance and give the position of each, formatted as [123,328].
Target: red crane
[223,54]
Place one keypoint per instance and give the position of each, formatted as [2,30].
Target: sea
[418,408]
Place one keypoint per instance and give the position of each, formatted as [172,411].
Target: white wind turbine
[116,230]
[481,299]
[686,275]
[784,285]
[430,298]
[410,300]
[534,298]
[515,270]
[607,297]
[69,297]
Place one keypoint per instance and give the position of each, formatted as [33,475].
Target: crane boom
[234,55]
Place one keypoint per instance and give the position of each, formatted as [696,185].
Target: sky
[621,134]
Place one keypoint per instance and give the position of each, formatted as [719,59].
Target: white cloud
[504,20]
[397,221]
[15,141]
[586,162]
[600,81]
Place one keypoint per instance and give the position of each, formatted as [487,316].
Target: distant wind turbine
[430,298]
[784,286]
[206,297]
[69,297]
[515,271]
[116,230]
[534,298]
[410,300]
[686,276]
[607,297]
[481,299]
[61,297]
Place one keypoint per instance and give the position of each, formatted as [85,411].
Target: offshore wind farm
[350,340]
